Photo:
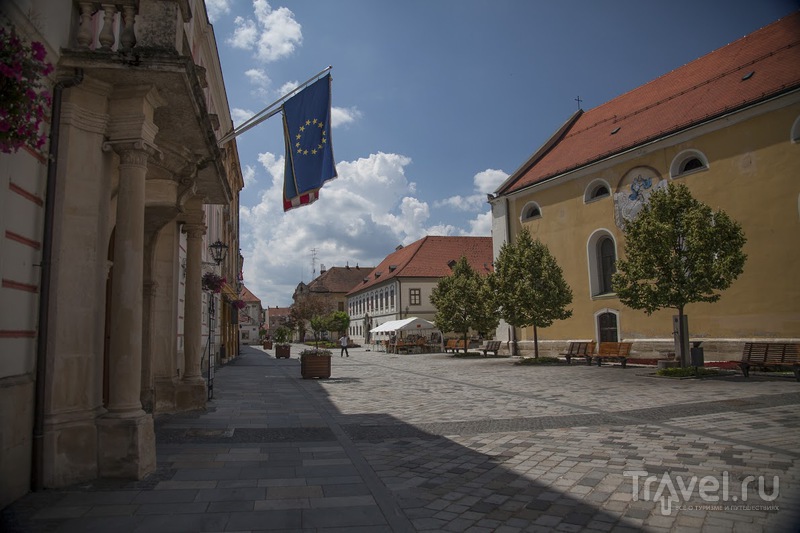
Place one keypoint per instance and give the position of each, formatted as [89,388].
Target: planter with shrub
[282,346]
[315,363]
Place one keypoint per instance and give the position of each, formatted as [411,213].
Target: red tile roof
[338,279]
[247,296]
[429,258]
[706,88]
[274,312]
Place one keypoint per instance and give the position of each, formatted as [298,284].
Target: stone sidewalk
[437,443]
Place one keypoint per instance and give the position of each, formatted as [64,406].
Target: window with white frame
[602,258]
[415,296]
[596,190]
[531,211]
[688,162]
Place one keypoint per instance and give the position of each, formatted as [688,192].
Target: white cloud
[480,226]
[273,33]
[485,182]
[489,180]
[245,34]
[240,115]
[258,77]
[344,116]
[216,8]
[260,81]
[361,217]
[287,87]
[249,176]
[473,202]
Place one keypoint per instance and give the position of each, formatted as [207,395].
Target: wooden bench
[490,346]
[579,349]
[455,345]
[613,350]
[770,355]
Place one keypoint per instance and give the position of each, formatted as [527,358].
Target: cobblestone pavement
[437,443]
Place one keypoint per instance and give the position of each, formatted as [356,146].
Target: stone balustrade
[123,25]
[106,26]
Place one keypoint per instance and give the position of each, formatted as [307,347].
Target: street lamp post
[218,252]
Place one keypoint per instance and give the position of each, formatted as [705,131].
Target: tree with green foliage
[319,324]
[678,251]
[305,308]
[529,286]
[339,321]
[464,301]
[282,335]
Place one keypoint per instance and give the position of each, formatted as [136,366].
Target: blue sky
[435,103]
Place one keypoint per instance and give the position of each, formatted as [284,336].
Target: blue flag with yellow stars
[309,153]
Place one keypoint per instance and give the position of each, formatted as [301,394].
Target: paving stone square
[430,442]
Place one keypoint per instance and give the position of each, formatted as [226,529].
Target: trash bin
[696,354]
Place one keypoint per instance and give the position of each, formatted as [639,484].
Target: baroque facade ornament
[135,152]
[633,193]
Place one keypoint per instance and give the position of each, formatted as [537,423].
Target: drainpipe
[44,290]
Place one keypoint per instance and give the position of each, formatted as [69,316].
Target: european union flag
[309,152]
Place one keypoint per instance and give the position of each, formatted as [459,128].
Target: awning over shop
[408,324]
[230,292]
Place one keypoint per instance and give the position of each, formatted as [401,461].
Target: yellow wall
[753,175]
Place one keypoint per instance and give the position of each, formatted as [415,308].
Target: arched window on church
[607,263]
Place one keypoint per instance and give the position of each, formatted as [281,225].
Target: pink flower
[22,77]
[39,53]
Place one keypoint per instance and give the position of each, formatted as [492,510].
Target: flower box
[267,345]
[315,364]
[212,282]
[283,350]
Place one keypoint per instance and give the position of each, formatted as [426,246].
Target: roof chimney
[322,269]
[399,247]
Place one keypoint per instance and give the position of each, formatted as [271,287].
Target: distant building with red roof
[276,316]
[400,286]
[331,287]
[251,317]
[728,126]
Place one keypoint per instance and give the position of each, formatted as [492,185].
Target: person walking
[344,341]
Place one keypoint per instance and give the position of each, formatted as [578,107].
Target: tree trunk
[683,340]
[466,342]
[535,342]
[512,333]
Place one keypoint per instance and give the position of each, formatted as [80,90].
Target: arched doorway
[607,327]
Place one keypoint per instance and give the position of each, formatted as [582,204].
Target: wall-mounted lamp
[218,251]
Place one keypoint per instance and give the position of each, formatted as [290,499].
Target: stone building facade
[251,317]
[101,309]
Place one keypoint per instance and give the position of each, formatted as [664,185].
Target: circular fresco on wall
[633,192]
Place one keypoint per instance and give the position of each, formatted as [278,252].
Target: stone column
[150,293]
[192,392]
[193,314]
[126,436]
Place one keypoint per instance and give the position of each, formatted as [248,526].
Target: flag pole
[260,117]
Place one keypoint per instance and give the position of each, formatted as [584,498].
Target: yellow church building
[728,126]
